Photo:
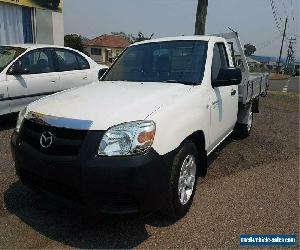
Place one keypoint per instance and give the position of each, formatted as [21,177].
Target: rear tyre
[242,131]
[182,183]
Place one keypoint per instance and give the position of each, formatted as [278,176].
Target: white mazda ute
[136,141]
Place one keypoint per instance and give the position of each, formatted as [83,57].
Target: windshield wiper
[180,81]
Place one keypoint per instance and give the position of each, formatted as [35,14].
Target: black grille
[66,142]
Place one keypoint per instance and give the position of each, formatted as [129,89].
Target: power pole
[290,57]
[201,17]
[284,32]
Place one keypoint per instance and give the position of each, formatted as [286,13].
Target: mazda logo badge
[46,139]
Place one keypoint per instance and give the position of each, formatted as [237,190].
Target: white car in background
[29,72]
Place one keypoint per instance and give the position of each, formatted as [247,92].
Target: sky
[253,19]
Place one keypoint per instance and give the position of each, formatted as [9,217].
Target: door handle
[84,78]
[215,102]
[53,81]
[233,92]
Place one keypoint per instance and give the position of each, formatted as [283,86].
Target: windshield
[8,54]
[174,61]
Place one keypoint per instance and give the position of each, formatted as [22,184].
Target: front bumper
[121,185]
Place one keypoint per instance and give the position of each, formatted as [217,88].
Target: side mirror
[101,73]
[228,77]
[17,69]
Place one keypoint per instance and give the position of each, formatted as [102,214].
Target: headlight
[127,139]
[20,119]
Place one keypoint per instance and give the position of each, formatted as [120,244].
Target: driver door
[223,100]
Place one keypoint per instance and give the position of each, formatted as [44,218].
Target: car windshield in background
[174,61]
[8,54]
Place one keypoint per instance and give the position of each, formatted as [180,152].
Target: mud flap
[244,112]
[203,164]
[255,105]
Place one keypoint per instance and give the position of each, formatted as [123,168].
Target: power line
[293,18]
[279,22]
[289,27]
[275,15]
[284,7]
[292,26]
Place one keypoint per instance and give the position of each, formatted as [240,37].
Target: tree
[74,41]
[141,37]
[201,17]
[133,38]
[249,49]
[84,39]
[127,37]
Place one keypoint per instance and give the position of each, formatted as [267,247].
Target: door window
[37,61]
[83,63]
[66,60]
[220,60]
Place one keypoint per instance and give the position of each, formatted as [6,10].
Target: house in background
[272,65]
[264,60]
[104,49]
[257,63]
[253,64]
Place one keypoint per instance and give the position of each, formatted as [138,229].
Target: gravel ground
[252,187]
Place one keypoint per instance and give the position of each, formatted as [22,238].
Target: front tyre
[182,183]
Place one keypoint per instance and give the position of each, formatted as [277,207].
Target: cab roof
[179,38]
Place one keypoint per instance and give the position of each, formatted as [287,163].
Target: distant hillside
[266,59]
[263,59]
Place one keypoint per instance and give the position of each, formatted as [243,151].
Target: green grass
[274,76]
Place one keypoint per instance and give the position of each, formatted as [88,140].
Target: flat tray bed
[252,87]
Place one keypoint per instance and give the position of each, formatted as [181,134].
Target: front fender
[181,118]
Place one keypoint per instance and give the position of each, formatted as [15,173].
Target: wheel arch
[198,138]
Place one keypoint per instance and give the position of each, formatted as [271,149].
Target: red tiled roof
[111,41]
